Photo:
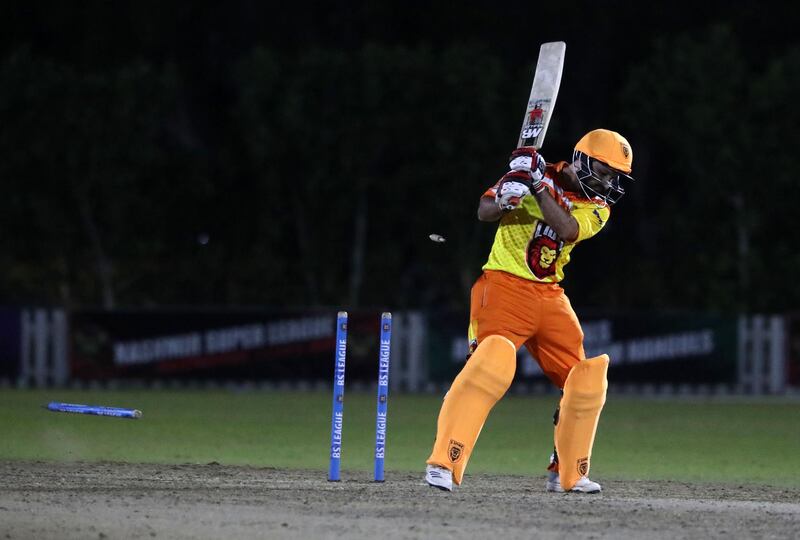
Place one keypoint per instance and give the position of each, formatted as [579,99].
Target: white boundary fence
[762,352]
[44,360]
[409,351]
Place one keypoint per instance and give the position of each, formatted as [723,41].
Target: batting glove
[527,159]
[511,189]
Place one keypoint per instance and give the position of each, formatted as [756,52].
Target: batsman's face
[603,177]
[597,179]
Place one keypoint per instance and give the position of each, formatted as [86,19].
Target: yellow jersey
[527,247]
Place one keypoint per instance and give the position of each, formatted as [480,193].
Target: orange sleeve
[554,171]
[492,191]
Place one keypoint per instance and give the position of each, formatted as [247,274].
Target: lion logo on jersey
[547,256]
[543,250]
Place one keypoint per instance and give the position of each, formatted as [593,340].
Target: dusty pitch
[114,500]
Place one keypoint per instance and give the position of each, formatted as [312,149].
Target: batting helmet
[610,148]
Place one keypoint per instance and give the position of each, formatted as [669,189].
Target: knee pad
[490,369]
[579,413]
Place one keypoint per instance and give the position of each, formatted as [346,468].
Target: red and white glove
[511,189]
[527,159]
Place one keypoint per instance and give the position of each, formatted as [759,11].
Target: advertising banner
[219,344]
[644,348]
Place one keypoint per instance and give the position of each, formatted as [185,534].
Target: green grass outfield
[733,440]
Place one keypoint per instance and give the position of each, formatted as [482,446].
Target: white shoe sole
[436,479]
[555,487]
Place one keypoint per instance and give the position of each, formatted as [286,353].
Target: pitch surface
[118,500]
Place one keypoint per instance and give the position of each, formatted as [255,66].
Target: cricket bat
[544,91]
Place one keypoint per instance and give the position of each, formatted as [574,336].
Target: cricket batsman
[544,211]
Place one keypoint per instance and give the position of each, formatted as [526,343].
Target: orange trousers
[537,315]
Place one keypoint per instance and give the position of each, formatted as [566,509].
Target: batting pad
[583,399]
[483,381]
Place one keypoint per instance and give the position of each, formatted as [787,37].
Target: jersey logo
[543,251]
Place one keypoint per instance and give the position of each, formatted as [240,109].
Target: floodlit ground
[223,464]
[111,500]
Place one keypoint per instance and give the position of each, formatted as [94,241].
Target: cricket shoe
[439,477]
[584,485]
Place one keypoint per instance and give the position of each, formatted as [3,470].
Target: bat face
[534,124]
[543,95]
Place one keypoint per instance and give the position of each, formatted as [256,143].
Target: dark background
[238,153]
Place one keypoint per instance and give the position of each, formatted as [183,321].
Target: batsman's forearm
[559,219]
[488,210]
